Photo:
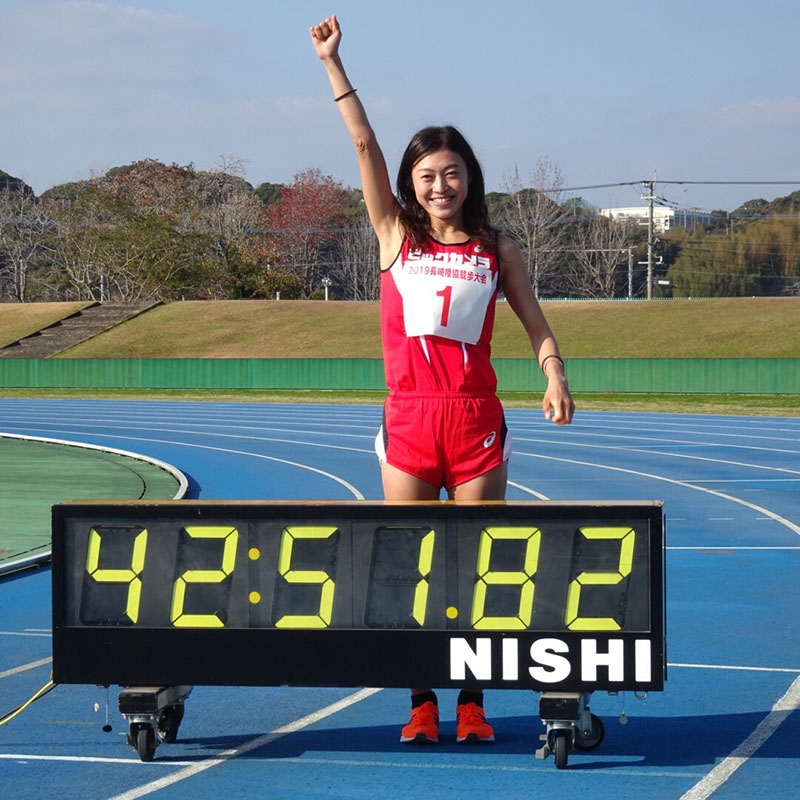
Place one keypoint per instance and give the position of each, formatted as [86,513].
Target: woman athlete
[441,267]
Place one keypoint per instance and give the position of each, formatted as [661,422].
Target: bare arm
[517,287]
[382,206]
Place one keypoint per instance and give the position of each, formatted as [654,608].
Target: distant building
[663,218]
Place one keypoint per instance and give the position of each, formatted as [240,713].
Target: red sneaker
[471,725]
[423,727]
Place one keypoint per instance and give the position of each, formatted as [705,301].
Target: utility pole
[650,196]
[630,273]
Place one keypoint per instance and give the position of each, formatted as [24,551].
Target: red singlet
[442,420]
[437,315]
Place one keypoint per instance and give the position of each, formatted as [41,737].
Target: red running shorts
[444,439]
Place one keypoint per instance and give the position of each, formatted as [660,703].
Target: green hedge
[678,375]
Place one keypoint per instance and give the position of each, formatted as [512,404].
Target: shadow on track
[645,741]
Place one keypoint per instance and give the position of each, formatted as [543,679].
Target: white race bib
[445,294]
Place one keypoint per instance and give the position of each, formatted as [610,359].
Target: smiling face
[441,184]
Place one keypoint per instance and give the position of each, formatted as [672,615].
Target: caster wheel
[593,739]
[146,743]
[169,722]
[561,749]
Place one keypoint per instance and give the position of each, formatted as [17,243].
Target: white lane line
[25,667]
[241,413]
[93,760]
[205,434]
[233,423]
[743,669]
[628,425]
[749,480]
[731,547]
[352,489]
[491,767]
[771,514]
[723,771]
[193,428]
[580,430]
[247,747]
[25,633]
[340,762]
[622,449]
[529,491]
[183,484]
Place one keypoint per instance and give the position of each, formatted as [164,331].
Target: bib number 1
[445,294]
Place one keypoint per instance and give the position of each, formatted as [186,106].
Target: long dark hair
[414,219]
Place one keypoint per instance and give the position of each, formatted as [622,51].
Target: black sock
[466,696]
[418,699]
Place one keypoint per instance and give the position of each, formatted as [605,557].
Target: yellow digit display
[129,576]
[424,567]
[230,536]
[627,538]
[322,618]
[522,578]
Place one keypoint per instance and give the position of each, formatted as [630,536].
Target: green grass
[721,328]
[747,405]
[22,319]
[242,329]
[764,327]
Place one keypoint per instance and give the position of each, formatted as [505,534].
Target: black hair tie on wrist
[544,363]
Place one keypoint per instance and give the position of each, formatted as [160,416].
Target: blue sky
[608,91]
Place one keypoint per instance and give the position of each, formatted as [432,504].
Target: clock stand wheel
[561,748]
[143,738]
[169,721]
[591,736]
[154,714]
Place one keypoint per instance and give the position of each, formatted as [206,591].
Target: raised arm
[381,204]
[517,288]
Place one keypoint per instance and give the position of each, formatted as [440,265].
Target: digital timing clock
[542,595]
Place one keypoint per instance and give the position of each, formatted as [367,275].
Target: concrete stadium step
[72,330]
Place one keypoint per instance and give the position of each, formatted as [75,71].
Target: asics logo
[489,440]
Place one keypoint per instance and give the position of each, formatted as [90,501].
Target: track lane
[653,756]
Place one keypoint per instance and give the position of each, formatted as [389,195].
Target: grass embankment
[726,328]
[242,329]
[22,319]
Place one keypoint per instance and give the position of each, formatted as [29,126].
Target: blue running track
[727,725]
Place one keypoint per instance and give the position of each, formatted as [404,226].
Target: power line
[790,250]
[737,183]
[679,183]
[732,275]
[596,186]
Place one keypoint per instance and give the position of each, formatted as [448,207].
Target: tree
[23,224]
[148,230]
[752,208]
[106,248]
[579,207]
[760,258]
[600,248]
[304,224]
[533,216]
[358,263]
[268,193]
[234,217]
[712,266]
